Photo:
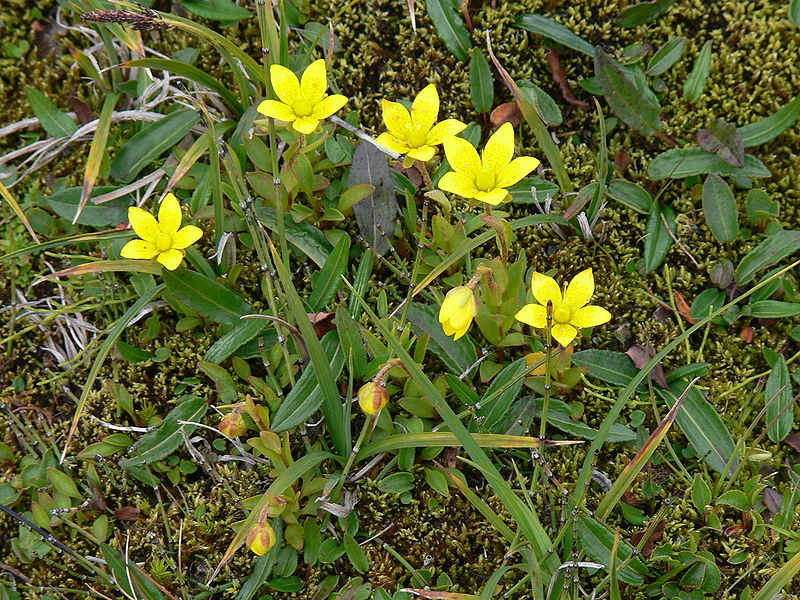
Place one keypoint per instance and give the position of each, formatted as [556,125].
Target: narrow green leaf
[211,299]
[701,492]
[308,239]
[607,365]
[545,106]
[597,542]
[242,332]
[720,210]
[631,195]
[772,250]
[780,405]
[782,578]
[217,10]
[666,56]
[450,27]
[644,12]
[151,142]
[459,355]
[503,390]
[96,151]
[696,82]
[352,342]
[770,127]
[794,11]
[679,163]
[481,83]
[558,415]
[658,239]
[356,555]
[328,280]
[548,28]
[774,309]
[636,106]
[54,121]
[66,202]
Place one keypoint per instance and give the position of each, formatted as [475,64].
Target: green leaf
[769,128]
[774,309]
[780,405]
[65,203]
[658,240]
[631,195]
[735,498]
[530,190]
[450,27]
[701,492]
[545,106]
[558,415]
[242,332]
[352,342]
[481,83]
[720,210]
[63,483]
[328,280]
[396,483]
[54,121]
[642,13]
[666,56]
[548,28]
[724,140]
[129,575]
[636,106]
[151,142]
[355,553]
[794,11]
[696,82]
[457,355]
[308,239]
[497,400]
[609,366]
[217,10]
[760,207]
[702,426]
[597,542]
[772,250]
[679,163]
[168,437]
[707,301]
[204,295]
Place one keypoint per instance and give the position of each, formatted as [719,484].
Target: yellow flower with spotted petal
[571,310]
[486,177]
[301,103]
[416,134]
[163,239]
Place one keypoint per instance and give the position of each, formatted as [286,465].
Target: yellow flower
[372,397]
[304,103]
[415,134]
[570,311]
[163,239]
[485,178]
[458,309]
[261,538]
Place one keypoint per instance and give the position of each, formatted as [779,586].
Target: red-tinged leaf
[127,513]
[724,140]
[641,355]
[683,308]
[508,112]
[772,500]
[650,543]
[794,440]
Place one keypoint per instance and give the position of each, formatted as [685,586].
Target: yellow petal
[499,148]
[461,320]
[494,197]
[314,82]
[305,125]
[460,332]
[422,154]
[457,183]
[533,314]
[443,130]
[171,259]
[590,316]
[564,334]
[580,289]
[186,237]
[396,118]
[138,249]
[285,84]
[448,330]
[408,162]
[425,108]
[462,156]
[516,170]
[277,110]
[143,223]
[169,214]
[455,301]
[328,105]
[545,288]
[390,142]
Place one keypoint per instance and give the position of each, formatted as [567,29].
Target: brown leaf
[508,112]
[622,160]
[127,513]
[649,545]
[82,110]
[683,308]
[772,500]
[747,334]
[629,498]
[322,322]
[794,440]
[641,355]
[553,60]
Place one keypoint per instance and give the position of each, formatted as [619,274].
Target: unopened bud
[261,538]
[233,424]
[372,398]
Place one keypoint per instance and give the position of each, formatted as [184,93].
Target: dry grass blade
[17,210]
[105,266]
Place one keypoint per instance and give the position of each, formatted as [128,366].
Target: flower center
[302,107]
[163,242]
[485,180]
[416,135]
[562,313]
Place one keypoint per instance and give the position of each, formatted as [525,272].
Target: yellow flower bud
[261,538]
[372,398]
[233,424]
[458,309]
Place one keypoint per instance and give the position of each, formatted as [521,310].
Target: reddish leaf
[323,322]
[794,440]
[683,308]
[641,355]
[127,513]
[649,545]
[507,112]
[772,500]
[747,334]
[553,60]
[622,160]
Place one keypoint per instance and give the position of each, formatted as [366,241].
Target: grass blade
[17,211]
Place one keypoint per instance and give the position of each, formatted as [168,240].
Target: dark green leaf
[352,341]
[774,309]
[548,28]
[707,301]
[736,498]
[631,195]
[558,415]
[355,553]
[308,239]
[724,140]
[609,366]
[720,210]
[129,575]
[772,126]
[701,492]
[679,163]
[658,238]
[396,483]
[636,106]
[242,332]
[533,189]
[780,405]
[794,11]
[545,106]
[760,207]
[450,27]
[494,411]
[696,82]
[132,353]
[65,204]
[151,142]
[666,56]
[481,83]
[206,296]
[54,121]
[458,355]
[328,280]
[597,542]
[217,10]
[642,13]
[772,250]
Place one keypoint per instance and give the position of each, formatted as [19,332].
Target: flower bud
[261,538]
[233,424]
[372,398]
[458,309]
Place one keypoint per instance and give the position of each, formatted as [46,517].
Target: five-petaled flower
[458,309]
[163,239]
[571,311]
[486,177]
[302,103]
[416,134]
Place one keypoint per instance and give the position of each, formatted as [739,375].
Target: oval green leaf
[679,163]
[778,397]
[659,237]
[450,27]
[696,82]
[666,56]
[548,28]
[631,195]
[720,210]
[481,83]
